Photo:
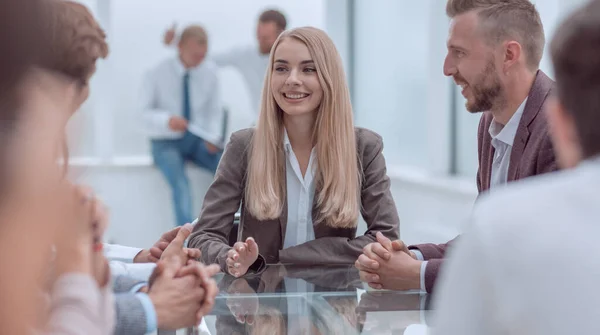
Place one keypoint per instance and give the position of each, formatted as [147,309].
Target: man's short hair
[507,19]
[575,51]
[76,40]
[195,32]
[274,16]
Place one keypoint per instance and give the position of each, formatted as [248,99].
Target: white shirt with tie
[532,268]
[162,96]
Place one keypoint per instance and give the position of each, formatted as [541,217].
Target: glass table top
[311,300]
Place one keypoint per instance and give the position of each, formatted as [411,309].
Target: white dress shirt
[120,259]
[503,137]
[117,252]
[300,196]
[252,65]
[162,97]
[299,229]
[531,269]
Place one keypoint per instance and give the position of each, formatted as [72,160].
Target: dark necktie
[186,96]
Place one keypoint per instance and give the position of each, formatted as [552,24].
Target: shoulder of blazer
[368,144]
[540,90]
[240,140]
[235,155]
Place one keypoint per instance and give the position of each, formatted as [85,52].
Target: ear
[512,54]
[563,133]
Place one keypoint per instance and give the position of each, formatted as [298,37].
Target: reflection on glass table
[310,300]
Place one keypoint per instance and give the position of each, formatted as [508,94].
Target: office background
[393,51]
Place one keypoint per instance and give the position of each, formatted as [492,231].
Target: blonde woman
[303,174]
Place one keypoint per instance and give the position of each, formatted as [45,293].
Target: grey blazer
[331,245]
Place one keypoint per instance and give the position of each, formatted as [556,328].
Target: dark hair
[274,16]
[503,19]
[77,40]
[575,51]
[23,45]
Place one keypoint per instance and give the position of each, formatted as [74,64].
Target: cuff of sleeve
[422,275]
[137,287]
[151,322]
[120,253]
[259,265]
[419,254]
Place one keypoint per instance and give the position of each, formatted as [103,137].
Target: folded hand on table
[389,265]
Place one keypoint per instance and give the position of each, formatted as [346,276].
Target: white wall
[390,67]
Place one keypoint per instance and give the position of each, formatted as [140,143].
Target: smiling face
[294,80]
[472,65]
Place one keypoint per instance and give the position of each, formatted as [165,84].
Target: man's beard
[487,91]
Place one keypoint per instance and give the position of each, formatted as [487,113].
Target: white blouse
[300,196]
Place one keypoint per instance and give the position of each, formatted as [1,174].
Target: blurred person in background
[534,269]
[182,111]
[303,175]
[179,291]
[250,61]
[494,52]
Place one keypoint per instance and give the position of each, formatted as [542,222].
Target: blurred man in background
[250,61]
[181,108]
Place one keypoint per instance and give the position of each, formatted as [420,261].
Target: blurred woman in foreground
[46,224]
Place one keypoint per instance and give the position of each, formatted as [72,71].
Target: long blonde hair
[337,176]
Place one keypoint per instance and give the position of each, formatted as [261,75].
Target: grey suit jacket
[331,245]
[131,317]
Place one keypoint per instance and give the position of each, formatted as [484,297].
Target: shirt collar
[287,145]
[178,65]
[286,141]
[507,133]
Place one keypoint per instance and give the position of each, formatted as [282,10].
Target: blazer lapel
[519,144]
[537,95]
[284,210]
[319,228]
